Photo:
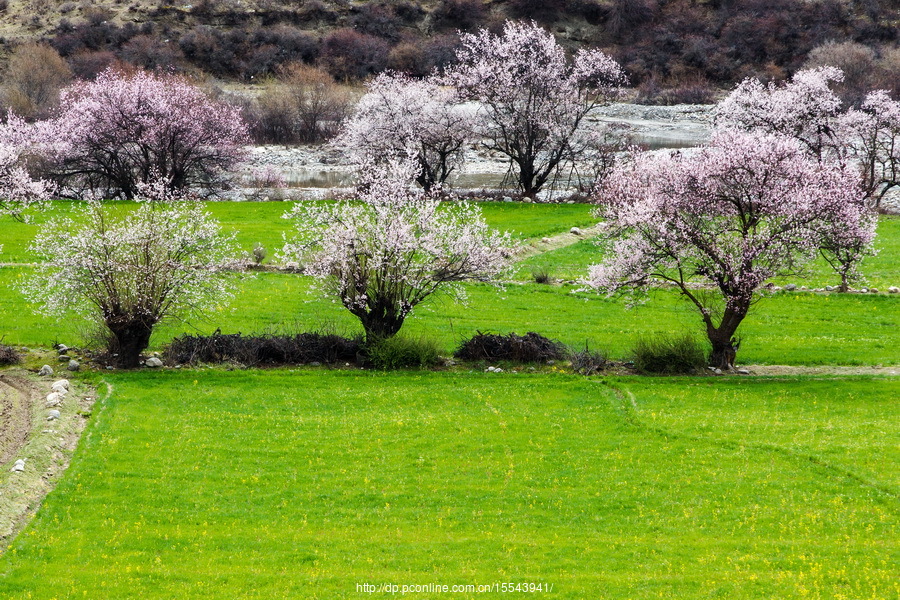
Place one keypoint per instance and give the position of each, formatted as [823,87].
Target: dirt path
[555,242]
[45,445]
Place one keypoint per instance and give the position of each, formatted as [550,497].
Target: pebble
[74,365]
[46,371]
[53,415]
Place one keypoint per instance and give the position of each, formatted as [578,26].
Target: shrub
[34,76]
[259,253]
[325,348]
[350,55]
[587,361]
[400,352]
[542,274]
[9,356]
[458,14]
[527,348]
[669,354]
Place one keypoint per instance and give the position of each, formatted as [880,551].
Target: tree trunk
[380,324]
[724,344]
[130,338]
[845,283]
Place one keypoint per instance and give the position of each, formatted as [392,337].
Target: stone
[717,371]
[864,290]
[575,231]
[46,371]
[19,466]
[803,288]
[790,287]
[507,199]
[546,240]
[315,363]
[74,365]
[829,288]
[60,385]
[54,399]
[873,290]
[153,362]
[742,372]
[64,357]
[893,290]
[52,415]
[62,348]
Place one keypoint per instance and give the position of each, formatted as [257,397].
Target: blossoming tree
[18,190]
[532,99]
[808,110]
[385,254]
[402,117]
[124,129]
[130,271]
[719,223]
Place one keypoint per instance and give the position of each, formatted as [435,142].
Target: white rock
[154,363]
[743,372]
[546,240]
[575,231]
[893,290]
[19,466]
[60,385]
[46,371]
[52,415]
[54,399]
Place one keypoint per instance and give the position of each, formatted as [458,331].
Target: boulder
[153,362]
[54,399]
[60,385]
[46,371]
[74,365]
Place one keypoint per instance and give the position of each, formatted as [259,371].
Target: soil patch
[45,441]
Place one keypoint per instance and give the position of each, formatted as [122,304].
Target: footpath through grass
[209,484]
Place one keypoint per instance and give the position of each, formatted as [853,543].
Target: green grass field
[303,483]
[287,484]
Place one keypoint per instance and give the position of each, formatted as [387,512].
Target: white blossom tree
[18,190]
[873,132]
[721,222]
[131,270]
[386,253]
[402,117]
[532,98]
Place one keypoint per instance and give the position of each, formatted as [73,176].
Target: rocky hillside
[675,50]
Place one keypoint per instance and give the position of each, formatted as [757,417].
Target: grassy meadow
[286,484]
[213,483]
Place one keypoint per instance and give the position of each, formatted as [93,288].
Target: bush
[527,348]
[351,55]
[670,354]
[459,14]
[34,76]
[9,356]
[399,352]
[325,348]
[542,274]
[587,361]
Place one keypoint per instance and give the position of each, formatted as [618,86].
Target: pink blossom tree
[719,223]
[808,110]
[385,254]
[804,108]
[131,271]
[873,132]
[123,129]
[532,99]
[18,190]
[402,117]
